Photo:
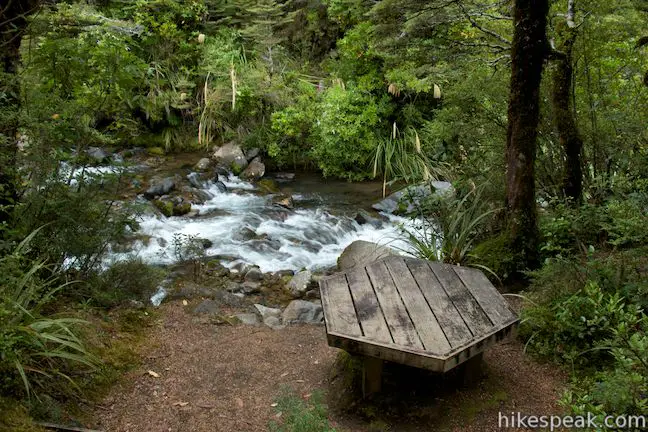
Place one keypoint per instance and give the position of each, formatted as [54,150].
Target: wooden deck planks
[400,326]
[338,306]
[462,298]
[486,295]
[367,307]
[446,313]
[425,323]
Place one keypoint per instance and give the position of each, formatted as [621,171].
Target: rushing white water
[245,227]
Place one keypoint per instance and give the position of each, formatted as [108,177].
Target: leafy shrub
[37,351]
[622,387]
[574,329]
[122,281]
[345,135]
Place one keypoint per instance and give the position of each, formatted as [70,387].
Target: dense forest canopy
[535,110]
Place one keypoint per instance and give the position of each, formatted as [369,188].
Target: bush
[123,281]
[344,136]
[575,328]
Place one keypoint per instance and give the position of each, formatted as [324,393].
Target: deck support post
[472,369]
[371,375]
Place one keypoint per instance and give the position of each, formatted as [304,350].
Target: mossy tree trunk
[528,53]
[564,118]
[13,22]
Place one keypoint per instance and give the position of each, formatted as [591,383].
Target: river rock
[209,307]
[362,252]
[231,156]
[248,318]
[270,316]
[252,153]
[285,201]
[195,180]
[160,187]
[283,176]
[220,186]
[303,312]
[203,165]
[255,170]
[363,217]
[97,154]
[254,274]
[300,283]
[409,199]
[250,287]
[268,185]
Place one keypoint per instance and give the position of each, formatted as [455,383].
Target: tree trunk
[528,52]
[13,19]
[565,122]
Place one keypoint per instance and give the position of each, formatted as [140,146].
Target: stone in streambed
[248,318]
[362,252]
[303,312]
[255,170]
[300,283]
[160,187]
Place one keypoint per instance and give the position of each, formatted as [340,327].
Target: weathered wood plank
[367,307]
[444,310]
[490,300]
[400,325]
[425,323]
[470,310]
[339,313]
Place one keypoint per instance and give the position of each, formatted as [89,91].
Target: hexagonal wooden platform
[415,312]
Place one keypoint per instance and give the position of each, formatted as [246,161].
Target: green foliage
[574,328]
[189,249]
[301,415]
[122,281]
[621,388]
[345,133]
[448,227]
[38,353]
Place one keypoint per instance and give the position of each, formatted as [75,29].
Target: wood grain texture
[339,312]
[470,311]
[447,315]
[424,320]
[486,295]
[398,320]
[367,307]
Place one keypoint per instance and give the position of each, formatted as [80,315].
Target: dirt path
[225,378]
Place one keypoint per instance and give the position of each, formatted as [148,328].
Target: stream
[242,225]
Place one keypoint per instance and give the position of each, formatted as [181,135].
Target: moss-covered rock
[155,151]
[165,207]
[182,208]
[268,185]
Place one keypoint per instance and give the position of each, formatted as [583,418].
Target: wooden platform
[419,313]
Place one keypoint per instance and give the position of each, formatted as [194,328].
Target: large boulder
[255,170]
[409,199]
[300,283]
[252,153]
[160,187]
[195,180]
[231,156]
[303,312]
[362,252]
[270,316]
